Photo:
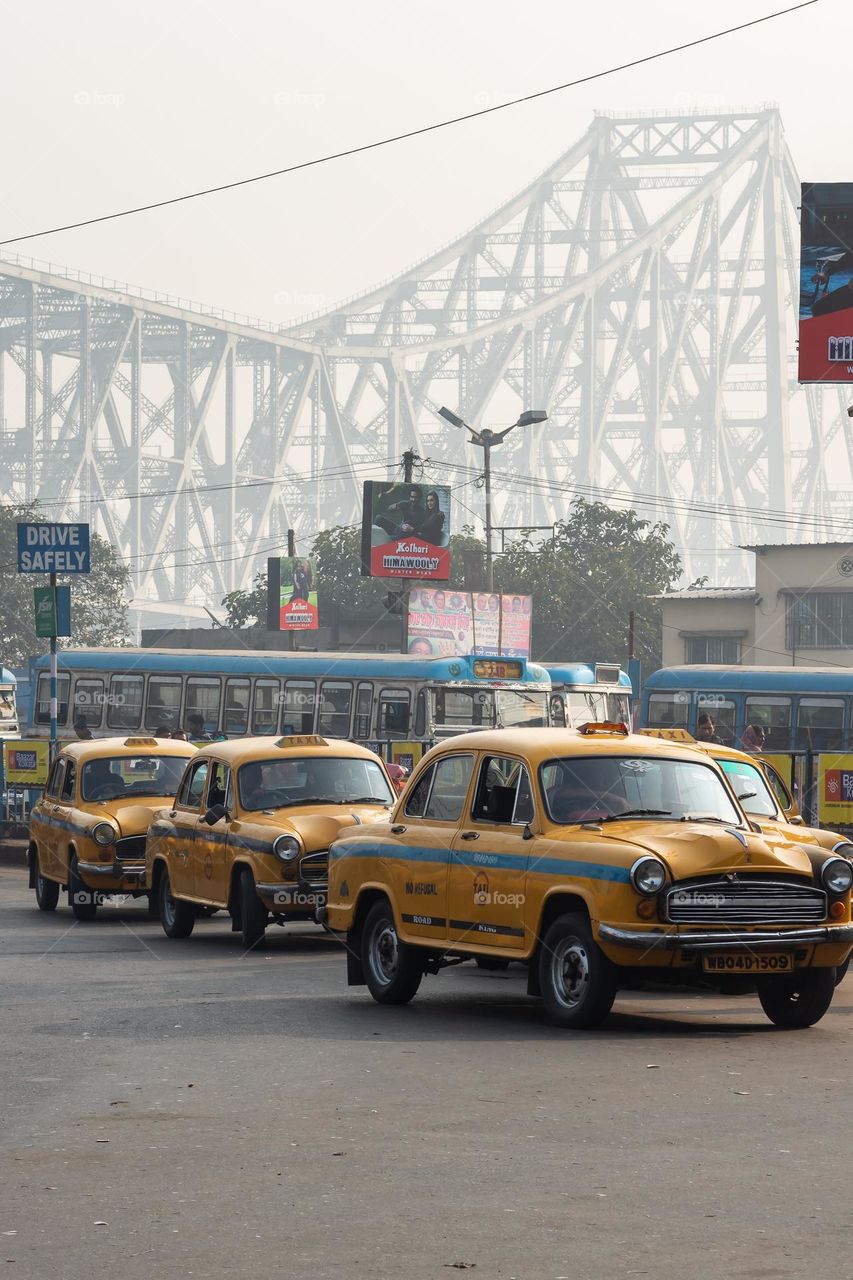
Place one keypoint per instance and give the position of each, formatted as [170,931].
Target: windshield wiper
[287,804]
[708,817]
[747,795]
[366,800]
[635,813]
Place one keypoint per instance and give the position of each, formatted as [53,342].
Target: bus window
[265,707]
[459,708]
[774,717]
[363,710]
[335,702]
[583,705]
[299,699]
[393,714]
[820,725]
[724,714]
[88,701]
[236,717]
[557,711]
[204,693]
[163,704]
[124,705]
[420,715]
[63,689]
[668,710]
[619,708]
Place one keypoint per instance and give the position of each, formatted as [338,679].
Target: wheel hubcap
[383,952]
[570,971]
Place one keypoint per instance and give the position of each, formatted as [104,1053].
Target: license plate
[761,962]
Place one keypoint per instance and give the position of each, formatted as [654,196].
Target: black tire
[392,969]
[799,999]
[47,891]
[841,971]
[577,981]
[492,964]
[81,899]
[176,916]
[153,908]
[253,913]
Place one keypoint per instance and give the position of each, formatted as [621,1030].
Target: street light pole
[487,439]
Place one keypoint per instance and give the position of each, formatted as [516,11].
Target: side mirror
[527,833]
[214,813]
[796,820]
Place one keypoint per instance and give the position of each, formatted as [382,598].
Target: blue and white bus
[799,708]
[8,704]
[582,691]
[373,698]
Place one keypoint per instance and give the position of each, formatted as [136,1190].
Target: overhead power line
[411,133]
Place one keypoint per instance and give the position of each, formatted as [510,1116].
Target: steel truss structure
[643,290]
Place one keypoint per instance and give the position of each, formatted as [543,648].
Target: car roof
[136,745]
[540,744]
[241,750]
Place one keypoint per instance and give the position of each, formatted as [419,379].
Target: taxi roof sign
[603,726]
[671,735]
[141,742]
[302,740]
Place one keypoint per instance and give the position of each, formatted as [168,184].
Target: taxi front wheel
[392,969]
[799,999]
[176,917]
[81,898]
[253,913]
[577,981]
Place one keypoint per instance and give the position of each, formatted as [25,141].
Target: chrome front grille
[750,900]
[131,848]
[314,869]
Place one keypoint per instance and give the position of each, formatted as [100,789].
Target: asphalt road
[178,1109]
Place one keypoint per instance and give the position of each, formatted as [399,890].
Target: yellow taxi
[87,832]
[597,856]
[250,827]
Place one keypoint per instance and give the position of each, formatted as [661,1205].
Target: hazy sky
[108,104]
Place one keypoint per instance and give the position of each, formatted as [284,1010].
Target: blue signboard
[53,548]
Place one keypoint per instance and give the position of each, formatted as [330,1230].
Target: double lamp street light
[487,440]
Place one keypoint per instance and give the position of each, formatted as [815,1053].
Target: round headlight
[844,849]
[103,833]
[836,875]
[648,876]
[286,849]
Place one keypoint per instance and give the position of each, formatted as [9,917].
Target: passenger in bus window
[754,737]
[706,729]
[196,731]
[162,731]
[81,728]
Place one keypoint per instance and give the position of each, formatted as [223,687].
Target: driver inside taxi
[585,799]
[100,781]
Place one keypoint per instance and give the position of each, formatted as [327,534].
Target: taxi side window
[780,791]
[192,787]
[219,791]
[503,792]
[54,781]
[68,782]
[440,793]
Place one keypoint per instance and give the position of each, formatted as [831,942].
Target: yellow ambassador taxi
[595,855]
[250,827]
[87,831]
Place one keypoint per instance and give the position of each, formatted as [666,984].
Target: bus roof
[7,676]
[753,679]
[583,673]
[274,663]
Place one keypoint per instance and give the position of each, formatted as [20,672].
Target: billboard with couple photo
[405,531]
[826,282]
[291,594]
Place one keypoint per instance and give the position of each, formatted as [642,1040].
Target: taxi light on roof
[302,740]
[603,726]
[672,735]
[141,742]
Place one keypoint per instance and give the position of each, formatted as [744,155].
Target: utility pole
[291,551]
[408,476]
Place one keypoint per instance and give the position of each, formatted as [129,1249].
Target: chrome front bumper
[731,940]
[119,870]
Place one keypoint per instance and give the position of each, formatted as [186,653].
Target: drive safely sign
[53,548]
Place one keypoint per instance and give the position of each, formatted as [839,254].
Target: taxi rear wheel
[392,969]
[176,917]
[798,999]
[253,913]
[81,898]
[577,981]
[47,891]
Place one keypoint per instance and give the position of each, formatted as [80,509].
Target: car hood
[699,849]
[132,819]
[318,828]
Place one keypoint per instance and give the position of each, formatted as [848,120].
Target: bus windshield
[517,707]
[458,708]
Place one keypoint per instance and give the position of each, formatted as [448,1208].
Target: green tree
[98,599]
[600,565]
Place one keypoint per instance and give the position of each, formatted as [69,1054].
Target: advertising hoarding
[291,594]
[826,282]
[405,530]
[26,762]
[457,622]
[835,790]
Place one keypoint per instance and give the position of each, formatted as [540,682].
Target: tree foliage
[98,599]
[599,566]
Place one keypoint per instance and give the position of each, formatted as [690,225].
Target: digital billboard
[457,622]
[405,531]
[291,594]
[826,282]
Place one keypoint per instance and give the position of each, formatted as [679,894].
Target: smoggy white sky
[109,103]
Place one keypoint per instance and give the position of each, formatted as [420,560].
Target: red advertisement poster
[405,531]
[826,282]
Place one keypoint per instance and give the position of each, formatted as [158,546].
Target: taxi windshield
[750,787]
[608,788]
[116,777]
[277,784]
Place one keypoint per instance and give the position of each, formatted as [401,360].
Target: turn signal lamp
[837,910]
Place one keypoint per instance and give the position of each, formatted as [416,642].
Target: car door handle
[470,835]
[397,831]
